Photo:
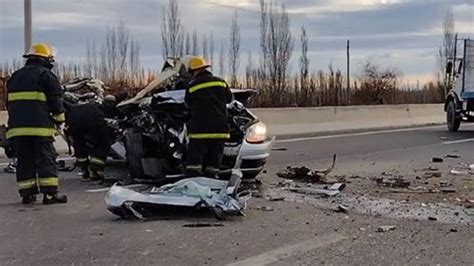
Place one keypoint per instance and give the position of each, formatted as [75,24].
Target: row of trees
[116,61]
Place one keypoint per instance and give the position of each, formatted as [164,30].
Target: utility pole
[28,25]
[348,87]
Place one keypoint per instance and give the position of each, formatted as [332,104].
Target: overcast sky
[401,33]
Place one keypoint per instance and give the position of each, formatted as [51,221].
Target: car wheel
[134,146]
[453,120]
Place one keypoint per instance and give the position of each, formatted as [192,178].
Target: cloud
[395,32]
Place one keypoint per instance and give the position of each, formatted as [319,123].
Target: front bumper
[252,157]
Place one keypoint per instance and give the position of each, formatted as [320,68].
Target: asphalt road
[297,231]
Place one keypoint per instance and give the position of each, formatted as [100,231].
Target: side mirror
[449,67]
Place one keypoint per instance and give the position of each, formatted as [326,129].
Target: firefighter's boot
[54,198]
[28,199]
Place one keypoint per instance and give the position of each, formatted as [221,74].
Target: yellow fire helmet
[42,50]
[196,63]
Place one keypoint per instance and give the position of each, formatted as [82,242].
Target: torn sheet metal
[218,195]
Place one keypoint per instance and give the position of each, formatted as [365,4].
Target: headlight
[257,133]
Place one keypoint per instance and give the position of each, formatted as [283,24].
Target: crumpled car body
[220,196]
[156,135]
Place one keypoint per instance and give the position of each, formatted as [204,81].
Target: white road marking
[357,134]
[458,141]
[290,250]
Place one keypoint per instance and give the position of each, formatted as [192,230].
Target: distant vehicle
[459,104]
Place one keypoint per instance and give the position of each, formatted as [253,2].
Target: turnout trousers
[91,147]
[36,167]
[204,157]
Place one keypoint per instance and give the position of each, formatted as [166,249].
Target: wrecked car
[152,136]
[155,134]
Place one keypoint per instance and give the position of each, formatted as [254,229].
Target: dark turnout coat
[34,101]
[207,97]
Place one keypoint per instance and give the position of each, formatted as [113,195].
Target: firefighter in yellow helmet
[207,97]
[35,109]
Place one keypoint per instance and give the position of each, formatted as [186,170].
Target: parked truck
[459,105]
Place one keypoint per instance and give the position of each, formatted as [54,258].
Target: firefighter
[208,128]
[35,108]
[91,139]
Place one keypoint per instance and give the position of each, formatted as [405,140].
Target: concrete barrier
[319,120]
[288,122]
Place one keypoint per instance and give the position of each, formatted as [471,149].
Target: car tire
[134,151]
[453,120]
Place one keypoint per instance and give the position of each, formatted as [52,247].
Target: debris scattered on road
[448,190]
[194,225]
[437,160]
[457,172]
[296,172]
[333,179]
[306,174]
[443,183]
[393,182]
[265,208]
[431,218]
[316,191]
[464,199]
[254,186]
[277,198]
[443,138]
[453,156]
[385,228]
[342,208]
[431,174]
[429,169]
[338,186]
[286,183]
[279,149]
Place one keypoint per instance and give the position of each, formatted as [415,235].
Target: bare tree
[172,30]
[304,62]
[249,71]
[123,41]
[116,61]
[222,62]
[195,44]
[376,84]
[446,51]
[234,50]
[277,46]
[111,55]
[205,47]
[134,62]
[187,45]
[263,37]
[91,66]
[212,48]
